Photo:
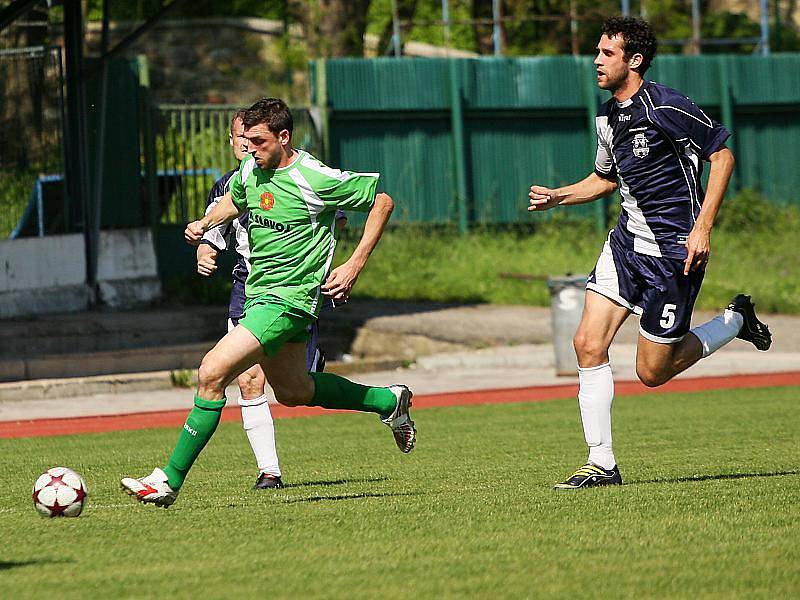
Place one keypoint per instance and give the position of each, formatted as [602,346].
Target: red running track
[175,418]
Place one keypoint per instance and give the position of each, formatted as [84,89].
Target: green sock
[332,391]
[198,429]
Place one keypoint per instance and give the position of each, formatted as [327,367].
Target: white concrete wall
[48,274]
[127,270]
[42,275]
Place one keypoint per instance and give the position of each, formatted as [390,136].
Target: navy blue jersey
[653,145]
[236,231]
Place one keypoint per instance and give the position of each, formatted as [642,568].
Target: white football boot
[405,435]
[151,489]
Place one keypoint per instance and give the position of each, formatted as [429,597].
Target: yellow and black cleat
[590,475]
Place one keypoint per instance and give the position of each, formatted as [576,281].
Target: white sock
[718,331]
[595,396]
[257,423]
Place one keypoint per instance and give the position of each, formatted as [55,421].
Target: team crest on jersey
[267,201]
[640,147]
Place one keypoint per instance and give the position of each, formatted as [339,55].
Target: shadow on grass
[722,476]
[5,565]
[351,496]
[335,482]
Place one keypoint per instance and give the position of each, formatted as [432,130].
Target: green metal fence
[192,150]
[461,140]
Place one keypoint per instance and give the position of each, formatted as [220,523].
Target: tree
[332,28]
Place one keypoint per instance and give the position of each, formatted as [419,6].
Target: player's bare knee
[650,377]
[211,374]
[251,386]
[589,350]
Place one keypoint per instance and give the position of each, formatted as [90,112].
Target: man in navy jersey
[256,415]
[651,145]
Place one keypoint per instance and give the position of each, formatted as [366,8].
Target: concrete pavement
[490,368]
[449,348]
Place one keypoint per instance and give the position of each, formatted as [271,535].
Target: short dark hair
[637,38]
[239,114]
[273,112]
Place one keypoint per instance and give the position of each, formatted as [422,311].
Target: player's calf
[299,394]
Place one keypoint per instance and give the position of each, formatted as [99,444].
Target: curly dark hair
[637,38]
[273,112]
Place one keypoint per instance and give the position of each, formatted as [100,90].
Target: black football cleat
[753,330]
[266,481]
[590,475]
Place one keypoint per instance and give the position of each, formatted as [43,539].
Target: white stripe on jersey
[313,164]
[644,240]
[694,158]
[328,262]
[247,169]
[605,145]
[708,123]
[313,202]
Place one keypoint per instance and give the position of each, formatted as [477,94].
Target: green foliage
[15,193]
[749,253]
[749,211]
[183,378]
[710,509]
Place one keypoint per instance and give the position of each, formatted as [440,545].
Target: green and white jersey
[292,226]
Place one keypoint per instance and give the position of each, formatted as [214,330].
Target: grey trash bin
[566,306]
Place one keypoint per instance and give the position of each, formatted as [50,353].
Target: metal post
[100,150]
[726,108]
[696,27]
[764,11]
[625,8]
[446,20]
[78,168]
[148,141]
[459,161]
[395,30]
[573,27]
[497,27]
[590,103]
[322,105]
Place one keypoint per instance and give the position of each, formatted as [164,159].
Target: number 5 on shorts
[668,316]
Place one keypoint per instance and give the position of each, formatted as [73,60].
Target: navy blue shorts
[315,359]
[653,287]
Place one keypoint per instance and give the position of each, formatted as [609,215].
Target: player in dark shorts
[256,415]
[651,145]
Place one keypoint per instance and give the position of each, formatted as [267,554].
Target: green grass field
[711,508]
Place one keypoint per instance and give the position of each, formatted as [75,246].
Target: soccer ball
[60,492]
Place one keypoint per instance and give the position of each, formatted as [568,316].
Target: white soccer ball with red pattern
[60,492]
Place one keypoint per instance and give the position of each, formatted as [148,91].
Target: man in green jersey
[292,198]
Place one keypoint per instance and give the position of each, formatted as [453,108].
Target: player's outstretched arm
[224,212]
[698,245]
[343,278]
[588,189]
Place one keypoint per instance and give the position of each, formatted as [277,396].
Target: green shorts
[275,323]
